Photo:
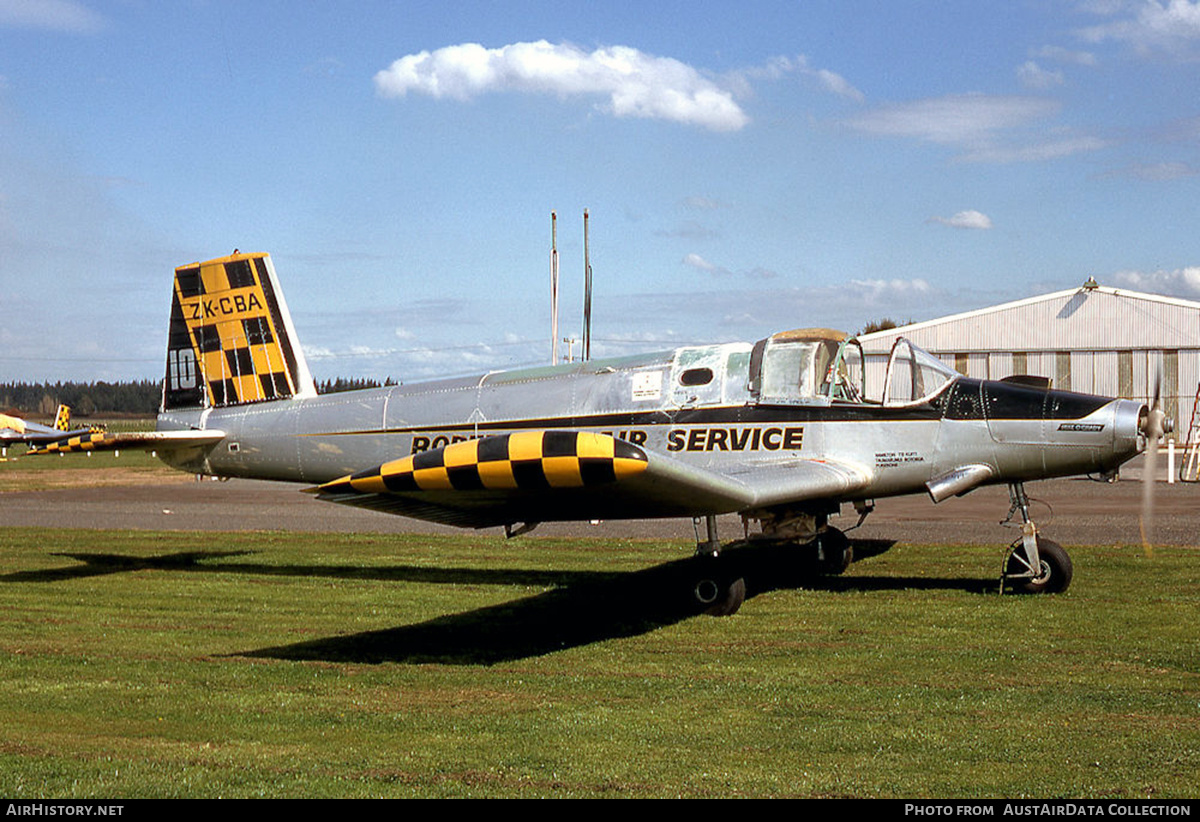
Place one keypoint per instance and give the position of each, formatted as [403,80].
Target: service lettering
[789,438]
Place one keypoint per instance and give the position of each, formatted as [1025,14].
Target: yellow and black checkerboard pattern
[84,442]
[233,329]
[526,460]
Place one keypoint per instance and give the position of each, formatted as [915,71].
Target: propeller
[1153,424]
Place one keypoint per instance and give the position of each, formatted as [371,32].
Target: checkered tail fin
[231,340]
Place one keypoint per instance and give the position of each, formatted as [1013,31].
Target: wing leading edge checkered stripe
[526,460]
[94,441]
[132,440]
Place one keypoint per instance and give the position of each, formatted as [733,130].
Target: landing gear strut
[716,585]
[1035,565]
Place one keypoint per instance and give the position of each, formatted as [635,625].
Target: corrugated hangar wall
[1093,339]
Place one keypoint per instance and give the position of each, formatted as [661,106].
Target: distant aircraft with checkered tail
[780,432]
[15,430]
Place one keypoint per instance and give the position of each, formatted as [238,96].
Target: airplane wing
[15,429]
[72,442]
[544,476]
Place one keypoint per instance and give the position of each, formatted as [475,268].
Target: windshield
[914,375]
[790,368]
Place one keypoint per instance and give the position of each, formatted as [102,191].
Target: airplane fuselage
[694,404]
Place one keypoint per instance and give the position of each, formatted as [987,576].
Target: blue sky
[748,167]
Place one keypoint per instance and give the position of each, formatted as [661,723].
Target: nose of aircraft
[1153,422]
[1130,421]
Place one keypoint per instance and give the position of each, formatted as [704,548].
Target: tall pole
[587,293]
[553,288]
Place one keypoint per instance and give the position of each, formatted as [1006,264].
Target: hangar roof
[1092,317]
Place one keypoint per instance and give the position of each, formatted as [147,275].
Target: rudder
[231,339]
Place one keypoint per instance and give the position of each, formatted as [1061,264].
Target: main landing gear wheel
[714,591]
[717,585]
[834,551]
[1052,578]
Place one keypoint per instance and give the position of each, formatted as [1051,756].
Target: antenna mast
[553,288]
[587,293]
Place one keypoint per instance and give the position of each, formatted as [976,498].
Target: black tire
[1056,569]
[720,599]
[712,588]
[835,553]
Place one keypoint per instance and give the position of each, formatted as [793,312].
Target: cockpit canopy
[823,366]
[914,375]
[805,366]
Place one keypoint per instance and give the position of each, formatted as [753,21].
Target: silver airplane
[17,430]
[780,432]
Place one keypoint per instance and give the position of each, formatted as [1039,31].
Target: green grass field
[139,664]
[19,472]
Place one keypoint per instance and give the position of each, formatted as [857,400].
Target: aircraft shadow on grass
[581,607]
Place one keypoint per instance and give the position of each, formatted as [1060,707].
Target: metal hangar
[1092,339]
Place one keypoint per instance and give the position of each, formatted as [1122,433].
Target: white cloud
[1181,282]
[964,219]
[1037,151]
[1063,55]
[1152,26]
[839,85]
[1031,75]
[883,288]
[700,264]
[636,84]
[55,15]
[988,128]
[1154,172]
[955,118]
[697,262]
[778,67]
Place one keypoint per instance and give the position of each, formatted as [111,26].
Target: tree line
[137,398]
[350,384]
[85,398]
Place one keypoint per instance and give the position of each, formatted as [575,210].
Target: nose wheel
[1035,565]
[1053,572]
